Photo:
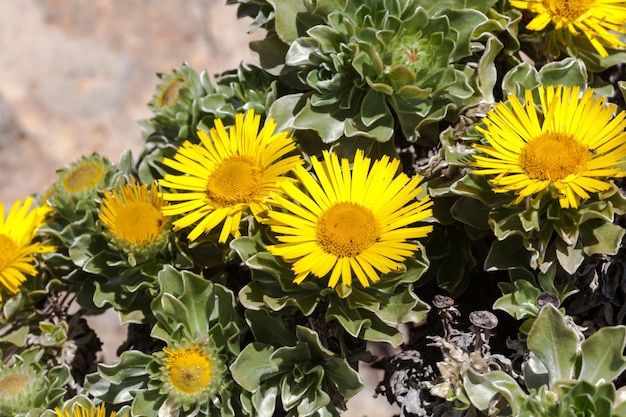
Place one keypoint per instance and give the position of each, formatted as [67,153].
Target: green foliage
[566,376]
[405,79]
[306,377]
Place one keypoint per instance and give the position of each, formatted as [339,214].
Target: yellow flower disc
[83,177]
[139,222]
[14,384]
[554,156]
[235,180]
[170,93]
[568,10]
[347,229]
[190,369]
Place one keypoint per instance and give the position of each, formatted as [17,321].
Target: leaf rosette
[202,331]
[307,378]
[375,65]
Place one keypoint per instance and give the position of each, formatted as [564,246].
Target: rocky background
[76,76]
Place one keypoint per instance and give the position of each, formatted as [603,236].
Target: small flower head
[84,175]
[351,223]
[76,186]
[133,219]
[17,246]
[228,176]
[191,374]
[600,21]
[80,410]
[573,149]
[21,388]
[174,93]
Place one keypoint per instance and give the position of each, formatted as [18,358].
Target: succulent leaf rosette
[371,68]
[197,335]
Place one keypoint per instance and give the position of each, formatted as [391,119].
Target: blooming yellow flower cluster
[350,220]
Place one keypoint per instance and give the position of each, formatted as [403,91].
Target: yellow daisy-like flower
[17,249]
[351,222]
[83,175]
[133,216]
[574,147]
[189,369]
[192,374]
[601,21]
[231,173]
[82,411]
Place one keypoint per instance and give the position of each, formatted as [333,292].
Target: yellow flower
[83,175]
[133,217]
[189,369]
[229,175]
[573,148]
[191,374]
[601,21]
[82,411]
[350,222]
[17,249]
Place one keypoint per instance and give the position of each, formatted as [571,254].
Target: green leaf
[264,400]
[568,71]
[482,389]
[519,79]
[269,53]
[506,254]
[252,365]
[362,323]
[570,257]
[602,355]
[403,307]
[604,238]
[554,343]
[189,302]
[115,383]
[268,327]
[471,211]
[520,302]
[287,18]
[17,337]
[487,73]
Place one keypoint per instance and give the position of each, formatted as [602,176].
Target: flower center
[83,177]
[235,180]
[8,250]
[553,156]
[568,9]
[347,229]
[189,369]
[139,222]
[170,93]
[13,384]
[411,52]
